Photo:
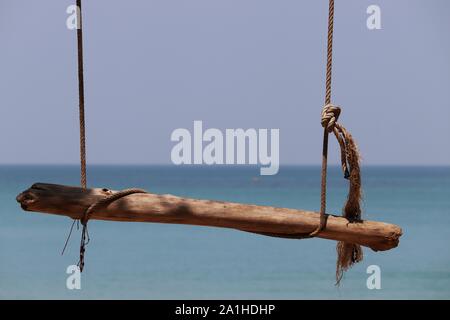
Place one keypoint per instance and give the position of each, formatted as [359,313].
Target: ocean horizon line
[332,165]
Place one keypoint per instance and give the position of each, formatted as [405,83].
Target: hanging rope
[83,180]
[81,96]
[109,199]
[348,253]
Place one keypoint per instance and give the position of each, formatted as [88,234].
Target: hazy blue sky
[154,66]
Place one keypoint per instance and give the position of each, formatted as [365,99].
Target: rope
[81,97]
[83,179]
[348,253]
[329,51]
[329,118]
[102,203]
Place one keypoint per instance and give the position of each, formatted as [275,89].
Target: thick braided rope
[100,204]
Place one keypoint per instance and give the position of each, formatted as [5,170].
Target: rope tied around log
[348,253]
[102,203]
[83,180]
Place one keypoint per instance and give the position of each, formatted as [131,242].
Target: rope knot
[330,115]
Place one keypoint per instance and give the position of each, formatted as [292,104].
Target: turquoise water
[156,261]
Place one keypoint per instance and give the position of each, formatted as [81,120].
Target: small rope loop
[330,115]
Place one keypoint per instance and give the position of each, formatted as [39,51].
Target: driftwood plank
[148,207]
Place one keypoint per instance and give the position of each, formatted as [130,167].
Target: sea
[126,260]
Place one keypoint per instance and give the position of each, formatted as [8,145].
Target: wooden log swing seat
[149,207]
[350,230]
